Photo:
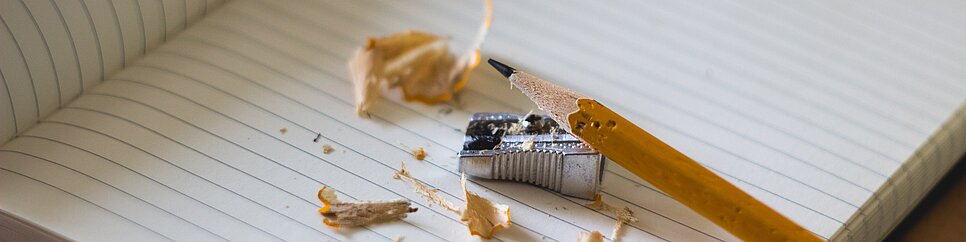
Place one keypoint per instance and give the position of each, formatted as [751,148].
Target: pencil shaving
[327,196]
[482,216]
[338,214]
[624,215]
[528,144]
[520,126]
[594,236]
[420,63]
[428,193]
[327,149]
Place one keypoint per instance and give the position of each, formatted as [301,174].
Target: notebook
[162,120]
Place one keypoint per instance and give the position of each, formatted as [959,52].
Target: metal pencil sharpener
[530,149]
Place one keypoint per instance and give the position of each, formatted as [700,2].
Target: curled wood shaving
[482,216]
[595,236]
[418,62]
[339,214]
[516,128]
[624,215]
[429,193]
[520,126]
[328,197]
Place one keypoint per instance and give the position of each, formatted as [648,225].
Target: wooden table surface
[941,216]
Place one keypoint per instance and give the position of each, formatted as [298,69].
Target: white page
[55,49]
[185,143]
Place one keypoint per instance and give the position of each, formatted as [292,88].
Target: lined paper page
[52,50]
[784,101]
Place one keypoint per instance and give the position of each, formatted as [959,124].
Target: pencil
[656,162]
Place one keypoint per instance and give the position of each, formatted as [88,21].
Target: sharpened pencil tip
[503,69]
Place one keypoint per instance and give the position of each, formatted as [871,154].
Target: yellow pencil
[657,163]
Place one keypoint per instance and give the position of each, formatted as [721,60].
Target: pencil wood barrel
[681,177]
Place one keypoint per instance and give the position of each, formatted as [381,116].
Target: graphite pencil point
[502,68]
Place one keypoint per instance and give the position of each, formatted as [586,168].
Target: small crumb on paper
[482,216]
[420,63]
[399,238]
[419,153]
[359,213]
[595,236]
[624,215]
[283,130]
[446,110]
[429,193]
[327,149]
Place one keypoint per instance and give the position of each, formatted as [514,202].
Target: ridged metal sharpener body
[538,154]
